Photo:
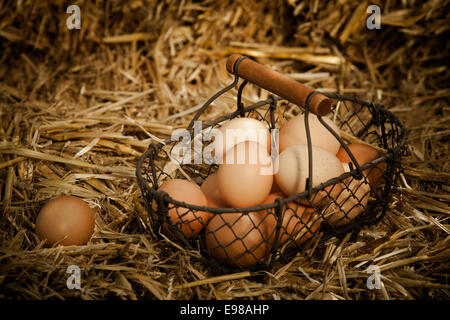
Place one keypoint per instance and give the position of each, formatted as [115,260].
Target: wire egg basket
[257,236]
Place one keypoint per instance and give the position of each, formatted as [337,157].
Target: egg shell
[65,217]
[319,199]
[238,130]
[350,199]
[364,153]
[247,180]
[299,223]
[293,132]
[189,222]
[210,189]
[294,169]
[237,239]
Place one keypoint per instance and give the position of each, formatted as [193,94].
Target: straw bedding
[78,107]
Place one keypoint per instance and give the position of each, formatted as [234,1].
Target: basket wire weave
[369,122]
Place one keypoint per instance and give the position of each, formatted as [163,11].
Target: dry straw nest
[78,107]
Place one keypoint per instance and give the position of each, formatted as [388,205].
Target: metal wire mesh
[257,236]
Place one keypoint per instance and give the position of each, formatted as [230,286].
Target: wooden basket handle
[279,84]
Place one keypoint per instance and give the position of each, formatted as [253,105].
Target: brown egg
[247,177]
[349,199]
[188,221]
[210,189]
[293,132]
[299,223]
[363,154]
[65,218]
[237,239]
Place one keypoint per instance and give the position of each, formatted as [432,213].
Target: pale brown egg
[190,222]
[364,153]
[239,130]
[293,133]
[299,223]
[247,179]
[210,189]
[349,199]
[65,220]
[294,169]
[237,239]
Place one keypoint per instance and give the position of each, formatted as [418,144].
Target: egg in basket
[271,178]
